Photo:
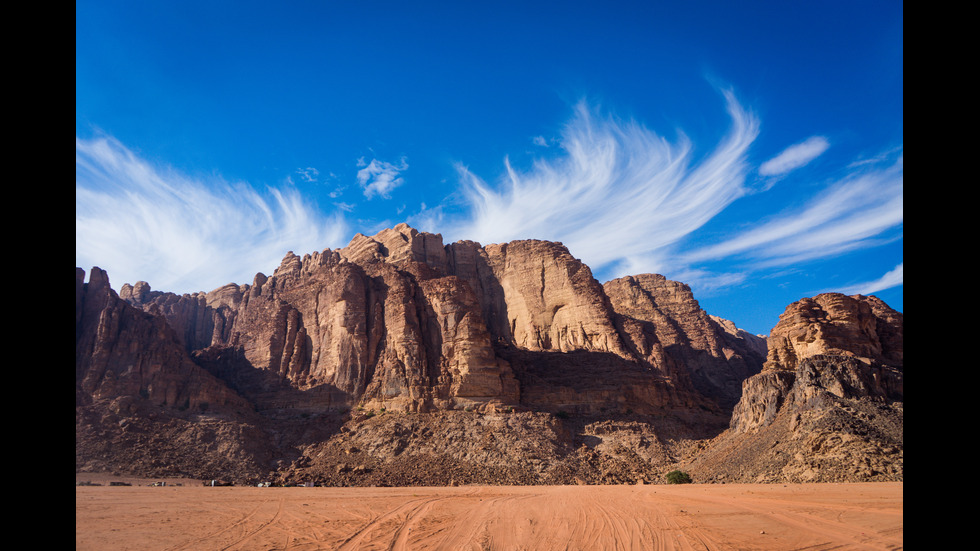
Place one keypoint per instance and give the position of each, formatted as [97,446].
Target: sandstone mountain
[505,363]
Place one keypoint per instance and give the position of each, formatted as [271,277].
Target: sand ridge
[648,517]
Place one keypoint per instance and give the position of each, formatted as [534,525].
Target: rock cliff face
[364,365]
[665,326]
[403,322]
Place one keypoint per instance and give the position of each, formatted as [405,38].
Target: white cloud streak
[628,201]
[893,278]
[795,156]
[621,197]
[142,222]
[380,177]
[850,214]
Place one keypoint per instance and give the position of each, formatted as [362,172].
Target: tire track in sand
[241,522]
[260,528]
[476,525]
[806,524]
[413,510]
[654,529]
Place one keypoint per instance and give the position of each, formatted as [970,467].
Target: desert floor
[653,517]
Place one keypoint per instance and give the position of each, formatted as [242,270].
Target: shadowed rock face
[122,351]
[401,321]
[665,326]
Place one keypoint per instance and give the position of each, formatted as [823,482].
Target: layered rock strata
[401,321]
[836,324]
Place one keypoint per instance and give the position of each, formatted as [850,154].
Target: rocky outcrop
[816,380]
[762,398]
[833,323]
[552,302]
[399,245]
[123,351]
[828,406]
[834,419]
[847,346]
[398,336]
[756,344]
[846,377]
[494,448]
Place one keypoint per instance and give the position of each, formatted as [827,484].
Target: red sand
[658,517]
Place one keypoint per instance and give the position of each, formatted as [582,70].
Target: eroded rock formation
[847,346]
[828,406]
[343,365]
[401,321]
[836,324]
[665,326]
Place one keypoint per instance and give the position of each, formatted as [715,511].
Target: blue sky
[753,150]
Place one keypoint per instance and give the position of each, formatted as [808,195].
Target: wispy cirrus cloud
[627,201]
[619,197]
[794,156]
[379,178]
[139,221]
[892,278]
[851,213]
